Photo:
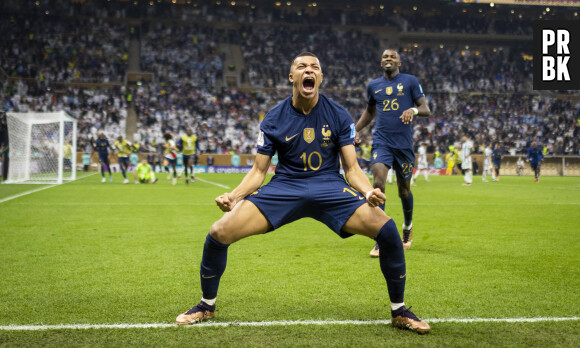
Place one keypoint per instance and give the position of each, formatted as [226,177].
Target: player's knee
[218,232]
[404,192]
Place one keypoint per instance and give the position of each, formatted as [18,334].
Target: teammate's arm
[366,118]
[421,108]
[357,178]
[251,182]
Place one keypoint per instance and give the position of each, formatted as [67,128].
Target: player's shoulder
[334,106]
[376,82]
[408,77]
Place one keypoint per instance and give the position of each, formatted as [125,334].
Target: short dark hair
[303,54]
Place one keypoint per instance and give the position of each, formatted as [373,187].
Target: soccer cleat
[104,180]
[126,181]
[154,180]
[111,179]
[197,314]
[375,252]
[403,318]
[407,238]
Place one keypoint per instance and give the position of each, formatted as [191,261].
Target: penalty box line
[277,323]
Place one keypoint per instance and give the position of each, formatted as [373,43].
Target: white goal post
[42,147]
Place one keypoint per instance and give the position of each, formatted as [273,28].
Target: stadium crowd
[485,94]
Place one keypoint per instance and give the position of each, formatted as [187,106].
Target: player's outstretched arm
[358,179]
[251,182]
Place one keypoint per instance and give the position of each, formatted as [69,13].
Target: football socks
[408,209]
[213,265]
[392,260]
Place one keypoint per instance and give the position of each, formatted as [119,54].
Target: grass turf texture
[92,253]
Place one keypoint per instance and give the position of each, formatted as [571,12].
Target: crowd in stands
[50,50]
[483,94]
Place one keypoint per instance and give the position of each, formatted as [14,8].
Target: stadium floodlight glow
[42,147]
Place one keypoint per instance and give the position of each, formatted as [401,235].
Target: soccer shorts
[466,165]
[171,160]
[104,158]
[534,165]
[401,160]
[327,198]
[422,165]
[124,161]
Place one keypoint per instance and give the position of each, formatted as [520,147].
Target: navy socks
[392,260]
[213,265]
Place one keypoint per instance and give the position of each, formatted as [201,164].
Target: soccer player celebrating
[535,157]
[144,173]
[466,166]
[170,156]
[124,148]
[312,135]
[102,146]
[396,98]
[188,145]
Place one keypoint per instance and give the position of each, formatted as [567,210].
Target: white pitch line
[275,323]
[211,182]
[25,193]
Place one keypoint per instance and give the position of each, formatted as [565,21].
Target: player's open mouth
[388,65]
[308,84]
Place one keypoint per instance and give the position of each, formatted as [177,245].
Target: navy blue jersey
[102,147]
[497,155]
[535,154]
[307,145]
[391,98]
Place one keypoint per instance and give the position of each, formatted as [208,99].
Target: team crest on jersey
[400,89]
[308,135]
[389,90]
[326,133]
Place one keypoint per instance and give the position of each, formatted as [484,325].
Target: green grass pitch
[93,253]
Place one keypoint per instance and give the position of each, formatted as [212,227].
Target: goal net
[42,147]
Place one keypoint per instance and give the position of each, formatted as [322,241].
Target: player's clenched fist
[375,197]
[224,202]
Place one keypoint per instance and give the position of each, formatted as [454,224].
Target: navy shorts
[326,198]
[172,161]
[401,160]
[124,161]
[535,165]
[104,158]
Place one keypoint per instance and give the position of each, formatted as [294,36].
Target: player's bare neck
[303,105]
[391,75]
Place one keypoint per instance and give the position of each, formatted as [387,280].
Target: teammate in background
[124,149]
[170,156]
[520,164]
[144,173]
[188,145]
[535,157]
[396,98]
[423,165]
[466,150]
[450,159]
[102,146]
[487,164]
[310,133]
[497,156]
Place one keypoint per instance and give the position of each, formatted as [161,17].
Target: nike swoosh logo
[403,276]
[377,91]
[204,277]
[289,138]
